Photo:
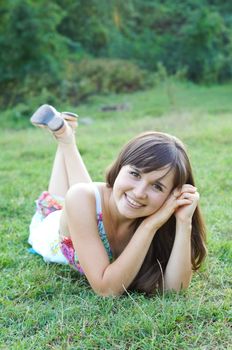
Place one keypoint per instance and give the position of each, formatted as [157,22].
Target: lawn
[47,306]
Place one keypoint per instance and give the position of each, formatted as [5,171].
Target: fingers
[191,196]
[188,199]
[186,195]
[186,188]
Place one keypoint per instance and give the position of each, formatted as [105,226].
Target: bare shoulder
[80,196]
[80,189]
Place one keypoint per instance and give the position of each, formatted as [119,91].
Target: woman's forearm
[178,272]
[120,274]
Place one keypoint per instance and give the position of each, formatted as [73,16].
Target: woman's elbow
[107,291]
[176,287]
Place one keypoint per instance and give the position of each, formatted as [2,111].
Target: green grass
[51,307]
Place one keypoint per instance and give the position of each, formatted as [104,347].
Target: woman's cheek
[160,200]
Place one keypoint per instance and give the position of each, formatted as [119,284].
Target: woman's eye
[158,187]
[134,174]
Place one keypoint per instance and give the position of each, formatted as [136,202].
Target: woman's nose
[140,191]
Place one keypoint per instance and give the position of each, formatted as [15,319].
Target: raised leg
[58,184]
[75,167]
[68,168]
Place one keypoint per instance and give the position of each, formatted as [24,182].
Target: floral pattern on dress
[103,236]
[67,248]
[47,204]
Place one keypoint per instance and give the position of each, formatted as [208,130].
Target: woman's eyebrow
[136,169]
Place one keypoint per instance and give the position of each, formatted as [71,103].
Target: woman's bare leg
[75,167]
[58,184]
[68,168]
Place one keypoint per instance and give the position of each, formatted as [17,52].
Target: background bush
[100,76]
[32,51]
[41,42]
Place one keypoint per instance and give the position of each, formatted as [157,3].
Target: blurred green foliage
[32,50]
[101,76]
[42,42]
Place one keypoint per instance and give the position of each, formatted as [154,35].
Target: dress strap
[98,200]
[101,228]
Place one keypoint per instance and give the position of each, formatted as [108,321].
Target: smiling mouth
[133,203]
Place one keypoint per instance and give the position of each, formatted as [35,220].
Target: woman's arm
[178,272]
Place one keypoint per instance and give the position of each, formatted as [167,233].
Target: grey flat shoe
[47,116]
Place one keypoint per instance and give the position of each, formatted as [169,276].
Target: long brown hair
[148,152]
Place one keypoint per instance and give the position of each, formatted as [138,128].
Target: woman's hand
[185,212]
[181,202]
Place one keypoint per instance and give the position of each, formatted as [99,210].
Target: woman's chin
[131,213]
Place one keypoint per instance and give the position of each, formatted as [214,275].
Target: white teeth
[134,203]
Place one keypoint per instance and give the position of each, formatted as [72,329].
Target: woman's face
[139,194]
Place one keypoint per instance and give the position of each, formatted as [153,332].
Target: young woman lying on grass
[141,230]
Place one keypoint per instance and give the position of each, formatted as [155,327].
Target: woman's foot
[48,116]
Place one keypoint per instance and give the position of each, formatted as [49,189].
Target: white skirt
[44,237]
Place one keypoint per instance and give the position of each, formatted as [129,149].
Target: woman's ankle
[65,134]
